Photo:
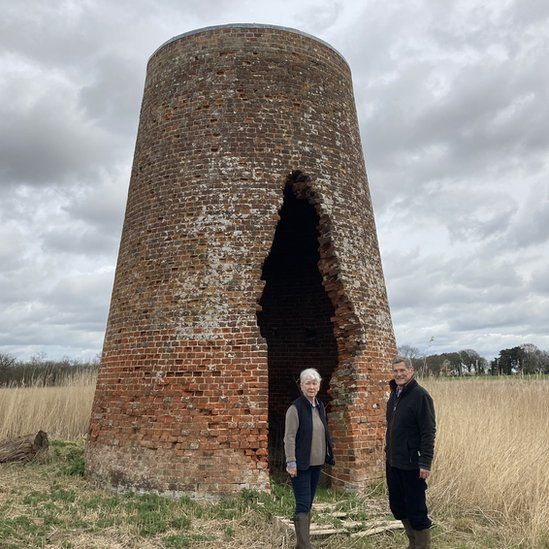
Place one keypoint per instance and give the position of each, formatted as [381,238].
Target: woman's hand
[292,471]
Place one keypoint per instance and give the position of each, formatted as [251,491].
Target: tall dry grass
[62,411]
[492,455]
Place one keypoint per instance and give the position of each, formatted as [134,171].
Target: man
[410,441]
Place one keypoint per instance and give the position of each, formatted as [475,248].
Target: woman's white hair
[309,373]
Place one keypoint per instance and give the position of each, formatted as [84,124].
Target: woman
[308,445]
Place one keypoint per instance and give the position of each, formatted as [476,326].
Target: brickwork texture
[248,253]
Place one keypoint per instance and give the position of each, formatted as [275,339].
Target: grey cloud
[454,111]
[539,282]
[487,225]
[87,242]
[39,333]
[484,327]
[81,288]
[20,288]
[46,32]
[478,120]
[522,314]
[320,17]
[44,137]
[529,12]
[472,292]
[112,98]
[468,210]
[71,36]
[73,305]
[525,231]
[11,242]
[478,273]
[432,292]
[533,225]
[101,205]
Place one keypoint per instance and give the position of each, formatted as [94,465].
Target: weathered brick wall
[188,382]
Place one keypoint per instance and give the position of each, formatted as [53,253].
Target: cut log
[24,448]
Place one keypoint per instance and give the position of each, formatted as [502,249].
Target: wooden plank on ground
[318,531]
[394,525]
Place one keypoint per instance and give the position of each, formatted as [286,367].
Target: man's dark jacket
[410,438]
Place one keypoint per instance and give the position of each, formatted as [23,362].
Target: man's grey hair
[309,373]
[399,358]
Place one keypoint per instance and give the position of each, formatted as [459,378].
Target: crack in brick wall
[295,316]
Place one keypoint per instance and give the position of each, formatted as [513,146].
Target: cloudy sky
[454,114]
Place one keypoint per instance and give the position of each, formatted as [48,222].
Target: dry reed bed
[62,411]
[492,455]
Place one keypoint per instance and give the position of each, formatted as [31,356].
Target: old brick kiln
[249,252]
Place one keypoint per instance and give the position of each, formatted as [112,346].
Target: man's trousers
[407,496]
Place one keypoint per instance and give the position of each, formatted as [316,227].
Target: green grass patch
[154,515]
[184,540]
[69,456]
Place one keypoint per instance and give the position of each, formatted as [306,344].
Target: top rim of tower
[247,26]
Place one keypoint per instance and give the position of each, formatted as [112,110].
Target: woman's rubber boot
[309,514]
[301,523]
[411,533]
[423,538]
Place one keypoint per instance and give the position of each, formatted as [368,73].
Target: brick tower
[248,253]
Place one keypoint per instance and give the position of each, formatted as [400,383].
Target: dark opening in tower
[295,316]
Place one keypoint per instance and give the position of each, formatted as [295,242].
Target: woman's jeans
[304,485]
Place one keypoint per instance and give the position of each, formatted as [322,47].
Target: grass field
[489,489]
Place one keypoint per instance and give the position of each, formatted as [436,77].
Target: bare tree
[409,351]
[6,361]
[535,361]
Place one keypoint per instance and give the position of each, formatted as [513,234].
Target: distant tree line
[41,371]
[523,359]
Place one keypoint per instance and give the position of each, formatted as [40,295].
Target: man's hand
[292,471]
[424,474]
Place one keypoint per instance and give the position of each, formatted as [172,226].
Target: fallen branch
[24,448]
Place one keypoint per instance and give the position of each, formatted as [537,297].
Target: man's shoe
[411,533]
[423,538]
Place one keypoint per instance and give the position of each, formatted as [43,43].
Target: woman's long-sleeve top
[318,442]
